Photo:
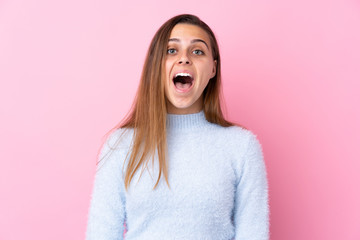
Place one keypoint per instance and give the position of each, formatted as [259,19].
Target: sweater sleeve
[251,212]
[106,214]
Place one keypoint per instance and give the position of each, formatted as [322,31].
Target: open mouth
[183,81]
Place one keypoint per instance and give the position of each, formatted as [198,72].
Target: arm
[107,207]
[251,212]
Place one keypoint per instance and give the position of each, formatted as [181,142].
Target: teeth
[183,75]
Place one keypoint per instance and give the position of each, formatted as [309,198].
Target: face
[189,66]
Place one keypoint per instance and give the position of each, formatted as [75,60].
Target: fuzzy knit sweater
[218,187]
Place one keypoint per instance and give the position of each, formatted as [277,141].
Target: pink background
[69,71]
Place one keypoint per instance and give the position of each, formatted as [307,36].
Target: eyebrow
[192,41]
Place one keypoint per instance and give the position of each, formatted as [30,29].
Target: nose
[184,59]
[180,62]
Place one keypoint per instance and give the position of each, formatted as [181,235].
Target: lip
[183,71]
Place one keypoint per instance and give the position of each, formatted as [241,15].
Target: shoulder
[118,138]
[240,144]
[117,143]
[235,136]
[244,136]
[246,139]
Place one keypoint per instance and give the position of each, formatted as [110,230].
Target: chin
[183,107]
[182,104]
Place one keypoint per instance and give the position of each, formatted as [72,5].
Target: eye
[198,52]
[171,51]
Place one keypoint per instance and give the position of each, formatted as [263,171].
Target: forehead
[187,32]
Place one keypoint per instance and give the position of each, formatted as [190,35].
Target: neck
[190,121]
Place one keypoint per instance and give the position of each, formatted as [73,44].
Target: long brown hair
[148,113]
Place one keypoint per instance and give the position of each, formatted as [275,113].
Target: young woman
[175,168]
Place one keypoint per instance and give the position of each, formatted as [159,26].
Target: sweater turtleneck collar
[186,121]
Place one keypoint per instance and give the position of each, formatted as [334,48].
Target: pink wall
[69,71]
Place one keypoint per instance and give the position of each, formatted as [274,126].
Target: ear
[214,69]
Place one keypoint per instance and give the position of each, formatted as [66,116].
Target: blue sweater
[218,187]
